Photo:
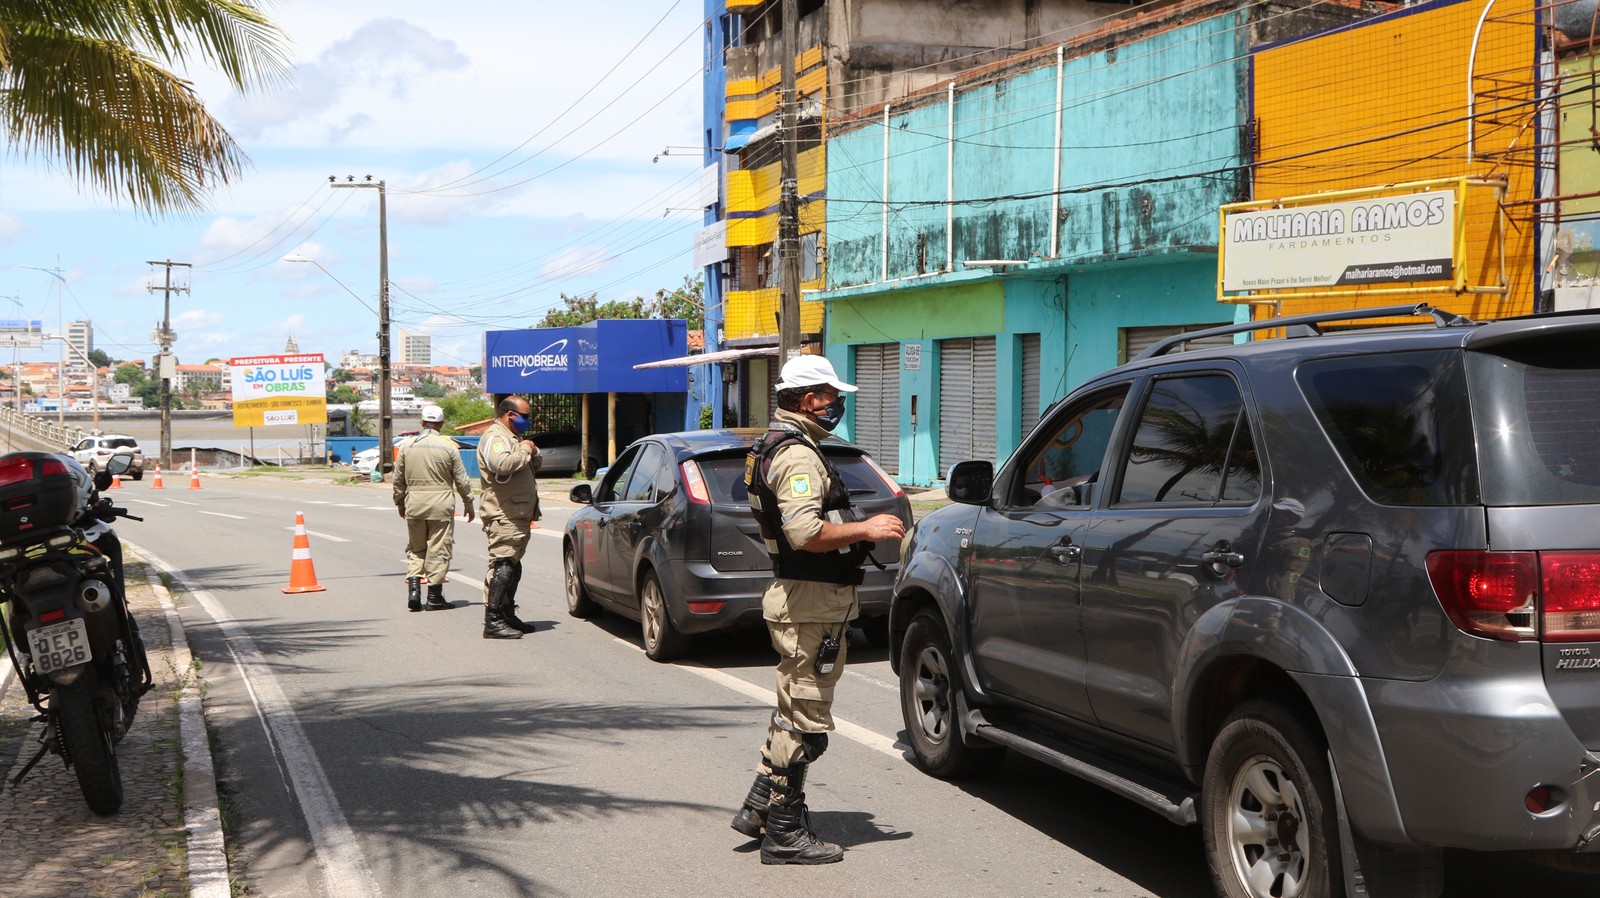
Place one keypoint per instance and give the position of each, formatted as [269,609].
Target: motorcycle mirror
[119,463]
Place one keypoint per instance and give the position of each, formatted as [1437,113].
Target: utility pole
[16,361]
[61,374]
[788,198]
[385,414]
[164,366]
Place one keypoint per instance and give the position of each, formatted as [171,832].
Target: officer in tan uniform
[508,506]
[817,544]
[427,476]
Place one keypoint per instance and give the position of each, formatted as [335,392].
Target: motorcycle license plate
[60,645]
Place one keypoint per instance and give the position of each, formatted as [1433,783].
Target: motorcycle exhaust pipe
[93,596]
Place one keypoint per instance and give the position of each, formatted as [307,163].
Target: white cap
[811,371]
[432,414]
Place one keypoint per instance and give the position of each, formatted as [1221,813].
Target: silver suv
[1333,597]
[92,452]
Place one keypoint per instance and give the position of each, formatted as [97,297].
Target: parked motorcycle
[68,631]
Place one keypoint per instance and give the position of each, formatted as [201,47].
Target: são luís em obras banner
[278,389]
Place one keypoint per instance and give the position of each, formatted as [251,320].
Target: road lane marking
[319,534]
[181,502]
[148,502]
[338,854]
[851,731]
[223,514]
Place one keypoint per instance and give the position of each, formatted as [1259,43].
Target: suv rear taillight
[695,484]
[1520,596]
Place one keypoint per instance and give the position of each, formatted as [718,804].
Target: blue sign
[597,357]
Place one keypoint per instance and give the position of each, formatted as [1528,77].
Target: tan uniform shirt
[506,468]
[799,480]
[427,476]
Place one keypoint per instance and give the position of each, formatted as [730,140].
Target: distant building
[291,347]
[415,349]
[205,377]
[353,359]
[80,342]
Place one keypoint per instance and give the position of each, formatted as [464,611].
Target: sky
[515,140]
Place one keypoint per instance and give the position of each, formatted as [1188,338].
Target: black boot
[752,818]
[789,838]
[494,624]
[436,597]
[509,612]
[414,593]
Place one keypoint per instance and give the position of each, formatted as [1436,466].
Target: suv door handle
[1222,559]
[1066,552]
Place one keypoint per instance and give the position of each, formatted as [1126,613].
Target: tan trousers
[428,547]
[508,537]
[805,698]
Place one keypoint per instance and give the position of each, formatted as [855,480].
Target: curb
[202,817]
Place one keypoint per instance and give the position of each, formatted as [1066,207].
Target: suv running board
[1171,801]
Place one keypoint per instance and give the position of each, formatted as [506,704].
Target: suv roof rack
[1306,325]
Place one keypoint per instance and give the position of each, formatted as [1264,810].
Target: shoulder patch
[800,484]
[499,444]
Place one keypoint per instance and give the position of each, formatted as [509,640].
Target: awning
[739,134]
[708,358]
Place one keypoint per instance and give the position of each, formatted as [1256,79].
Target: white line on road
[181,502]
[845,728]
[320,535]
[338,854]
[222,514]
[148,502]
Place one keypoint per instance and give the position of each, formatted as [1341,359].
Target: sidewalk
[55,847]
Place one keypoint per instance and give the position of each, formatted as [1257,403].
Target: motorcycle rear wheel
[87,743]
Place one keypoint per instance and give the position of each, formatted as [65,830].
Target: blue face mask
[519,423]
[830,417]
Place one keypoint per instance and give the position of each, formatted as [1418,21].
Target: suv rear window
[121,443]
[1401,422]
[724,477]
[1538,411]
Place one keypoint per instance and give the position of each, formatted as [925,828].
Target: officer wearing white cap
[817,543]
[427,475]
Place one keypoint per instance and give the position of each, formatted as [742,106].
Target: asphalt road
[365,750]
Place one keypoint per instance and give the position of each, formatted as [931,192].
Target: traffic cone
[116,481]
[156,483]
[194,478]
[302,573]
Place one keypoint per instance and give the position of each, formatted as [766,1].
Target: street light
[385,418]
[385,424]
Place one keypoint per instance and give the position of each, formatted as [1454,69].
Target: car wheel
[138,474]
[579,604]
[928,685]
[661,641]
[1267,807]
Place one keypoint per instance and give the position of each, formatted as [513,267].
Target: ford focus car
[667,538]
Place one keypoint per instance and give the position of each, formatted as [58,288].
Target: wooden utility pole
[164,368]
[789,198]
[385,411]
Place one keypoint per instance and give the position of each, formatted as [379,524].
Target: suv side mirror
[582,494]
[970,482]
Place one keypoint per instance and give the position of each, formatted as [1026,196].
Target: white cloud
[11,227]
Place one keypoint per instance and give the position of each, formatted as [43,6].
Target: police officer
[509,504]
[426,476]
[817,545]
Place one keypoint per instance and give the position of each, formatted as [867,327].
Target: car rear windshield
[1401,422]
[724,477]
[1538,413]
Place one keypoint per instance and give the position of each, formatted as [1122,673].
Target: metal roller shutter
[966,400]
[1137,339]
[876,424]
[1029,344]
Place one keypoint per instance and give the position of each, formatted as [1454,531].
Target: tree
[427,388]
[344,395]
[87,86]
[99,359]
[464,408]
[686,302]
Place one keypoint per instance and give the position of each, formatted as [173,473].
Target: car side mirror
[970,482]
[582,494]
[119,463]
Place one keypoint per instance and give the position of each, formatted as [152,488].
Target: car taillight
[1518,596]
[1491,594]
[1571,599]
[887,480]
[695,484]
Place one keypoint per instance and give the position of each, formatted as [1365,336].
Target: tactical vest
[841,566]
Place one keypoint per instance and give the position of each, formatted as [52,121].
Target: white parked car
[92,452]
[364,461]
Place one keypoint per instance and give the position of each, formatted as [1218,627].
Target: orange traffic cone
[194,478]
[156,483]
[116,481]
[302,573]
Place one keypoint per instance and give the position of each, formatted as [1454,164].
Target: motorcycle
[74,644]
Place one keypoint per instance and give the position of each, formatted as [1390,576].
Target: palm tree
[86,85]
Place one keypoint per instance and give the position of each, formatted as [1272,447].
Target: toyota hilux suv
[1332,596]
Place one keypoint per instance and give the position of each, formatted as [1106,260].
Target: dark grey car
[1335,598]
[667,538]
